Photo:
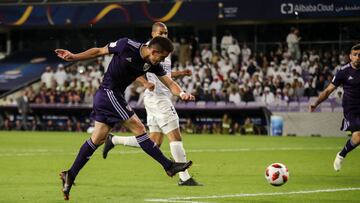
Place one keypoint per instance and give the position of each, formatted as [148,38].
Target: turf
[229,166]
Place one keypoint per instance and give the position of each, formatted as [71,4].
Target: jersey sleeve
[167,64]
[158,70]
[338,79]
[117,46]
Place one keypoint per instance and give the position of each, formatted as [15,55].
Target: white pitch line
[244,149]
[188,199]
[46,152]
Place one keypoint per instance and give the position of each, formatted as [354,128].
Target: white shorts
[161,114]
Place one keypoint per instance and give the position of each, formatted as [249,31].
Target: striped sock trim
[91,144]
[352,144]
[142,138]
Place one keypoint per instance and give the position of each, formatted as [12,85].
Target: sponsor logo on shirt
[112,44]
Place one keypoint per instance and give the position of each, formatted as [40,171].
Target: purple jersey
[349,78]
[127,65]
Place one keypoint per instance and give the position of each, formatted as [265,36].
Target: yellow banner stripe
[24,17]
[105,11]
[172,12]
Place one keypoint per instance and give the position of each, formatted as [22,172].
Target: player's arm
[175,88]
[322,97]
[181,73]
[148,85]
[88,54]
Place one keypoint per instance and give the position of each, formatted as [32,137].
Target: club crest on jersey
[146,66]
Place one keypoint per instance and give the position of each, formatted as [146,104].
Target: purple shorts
[351,122]
[110,107]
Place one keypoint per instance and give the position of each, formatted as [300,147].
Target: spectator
[185,52]
[292,41]
[245,53]
[206,54]
[189,127]
[268,96]
[234,97]
[246,93]
[234,52]
[60,75]
[47,77]
[176,52]
[226,41]
[226,124]
[213,96]
[248,127]
[24,109]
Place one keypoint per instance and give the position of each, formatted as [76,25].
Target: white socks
[125,140]
[176,148]
[178,153]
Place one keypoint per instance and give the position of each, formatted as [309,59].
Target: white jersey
[160,89]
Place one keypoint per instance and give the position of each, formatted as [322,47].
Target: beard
[356,65]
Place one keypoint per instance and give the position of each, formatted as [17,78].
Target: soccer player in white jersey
[161,114]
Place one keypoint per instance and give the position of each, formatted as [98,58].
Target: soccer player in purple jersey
[349,77]
[130,60]
[162,118]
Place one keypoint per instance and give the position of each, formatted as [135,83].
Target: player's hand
[149,85]
[312,107]
[187,72]
[186,96]
[65,54]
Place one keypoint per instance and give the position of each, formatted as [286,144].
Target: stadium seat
[210,104]
[241,104]
[303,99]
[190,104]
[294,106]
[325,104]
[338,109]
[220,103]
[255,104]
[200,104]
[304,106]
[326,109]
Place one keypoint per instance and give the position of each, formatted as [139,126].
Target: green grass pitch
[230,167]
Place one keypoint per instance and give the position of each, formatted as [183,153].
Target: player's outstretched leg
[178,153]
[68,177]
[108,145]
[338,162]
[349,146]
[177,150]
[153,150]
[113,140]
[67,183]
[135,126]
[176,167]
[125,140]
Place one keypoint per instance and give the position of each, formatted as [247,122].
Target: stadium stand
[230,68]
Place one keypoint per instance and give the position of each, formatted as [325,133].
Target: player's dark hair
[161,44]
[156,25]
[356,47]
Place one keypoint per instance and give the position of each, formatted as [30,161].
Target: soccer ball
[277,174]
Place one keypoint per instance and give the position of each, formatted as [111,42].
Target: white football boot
[338,162]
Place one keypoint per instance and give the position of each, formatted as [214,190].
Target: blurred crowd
[231,73]
[237,74]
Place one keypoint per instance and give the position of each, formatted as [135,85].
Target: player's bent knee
[138,129]
[157,138]
[172,130]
